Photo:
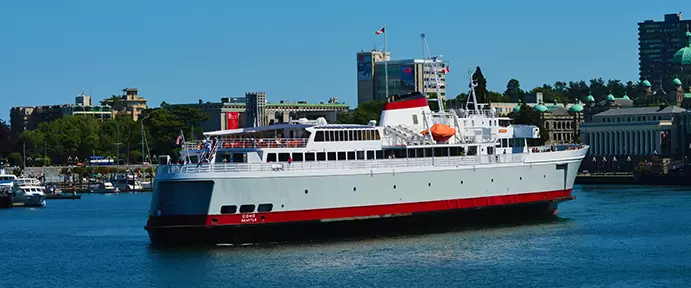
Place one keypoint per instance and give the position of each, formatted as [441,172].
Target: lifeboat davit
[440,132]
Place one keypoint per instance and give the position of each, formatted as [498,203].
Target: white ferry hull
[333,202]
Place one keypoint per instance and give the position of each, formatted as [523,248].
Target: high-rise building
[366,61]
[405,76]
[657,43]
[255,105]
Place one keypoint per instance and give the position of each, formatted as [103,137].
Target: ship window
[229,209]
[319,137]
[379,154]
[342,156]
[360,155]
[331,156]
[297,157]
[370,154]
[366,135]
[455,151]
[351,155]
[282,157]
[341,136]
[321,156]
[271,157]
[265,207]
[332,135]
[309,156]
[414,119]
[239,158]
[351,137]
[376,135]
[248,208]
[472,150]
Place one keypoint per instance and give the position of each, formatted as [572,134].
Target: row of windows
[387,153]
[630,119]
[247,208]
[347,135]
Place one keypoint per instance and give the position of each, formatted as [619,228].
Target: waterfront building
[231,113]
[128,104]
[561,123]
[405,76]
[255,109]
[658,41]
[681,62]
[24,118]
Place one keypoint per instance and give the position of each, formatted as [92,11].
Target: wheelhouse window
[319,136]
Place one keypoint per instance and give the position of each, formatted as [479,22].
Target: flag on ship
[381,31]
[181,139]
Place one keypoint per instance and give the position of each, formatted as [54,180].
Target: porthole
[394,186]
[262,218]
[214,220]
[354,189]
[282,205]
[429,184]
[305,191]
[492,180]
[544,176]
[520,178]
[461,181]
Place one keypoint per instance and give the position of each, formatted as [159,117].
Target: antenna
[434,70]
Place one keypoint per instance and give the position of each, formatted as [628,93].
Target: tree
[481,89]
[598,89]
[370,110]
[7,139]
[15,159]
[164,124]
[513,90]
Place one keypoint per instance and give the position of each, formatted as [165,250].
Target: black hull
[416,223]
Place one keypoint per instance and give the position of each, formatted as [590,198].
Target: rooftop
[640,111]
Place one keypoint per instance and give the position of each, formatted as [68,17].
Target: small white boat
[30,196]
[106,187]
[128,183]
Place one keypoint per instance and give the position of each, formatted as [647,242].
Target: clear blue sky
[180,51]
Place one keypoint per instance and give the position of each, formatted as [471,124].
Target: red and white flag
[380,31]
[445,69]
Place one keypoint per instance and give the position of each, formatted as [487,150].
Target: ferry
[311,179]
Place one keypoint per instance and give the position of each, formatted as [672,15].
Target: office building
[658,41]
[231,113]
[255,109]
[29,117]
[405,76]
[129,104]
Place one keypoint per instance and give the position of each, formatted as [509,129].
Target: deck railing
[442,161]
[227,142]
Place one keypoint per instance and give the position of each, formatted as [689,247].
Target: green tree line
[82,136]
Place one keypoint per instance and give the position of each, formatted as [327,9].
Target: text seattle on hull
[307,180]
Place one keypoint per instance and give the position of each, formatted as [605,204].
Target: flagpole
[386,67]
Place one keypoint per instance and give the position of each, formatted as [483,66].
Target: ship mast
[434,69]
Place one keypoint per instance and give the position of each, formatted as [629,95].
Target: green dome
[676,81]
[683,56]
[687,95]
[590,98]
[540,108]
[517,108]
[626,97]
[576,108]
[646,83]
[610,97]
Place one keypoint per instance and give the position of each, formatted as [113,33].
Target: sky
[181,51]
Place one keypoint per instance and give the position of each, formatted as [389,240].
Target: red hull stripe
[351,213]
[412,103]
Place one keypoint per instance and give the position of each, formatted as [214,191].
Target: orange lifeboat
[440,132]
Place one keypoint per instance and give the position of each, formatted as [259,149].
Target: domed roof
[576,108]
[590,98]
[687,95]
[646,83]
[517,108]
[676,81]
[683,56]
[610,97]
[540,108]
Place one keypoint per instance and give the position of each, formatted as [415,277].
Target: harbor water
[610,236]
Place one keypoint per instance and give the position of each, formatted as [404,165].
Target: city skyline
[301,51]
